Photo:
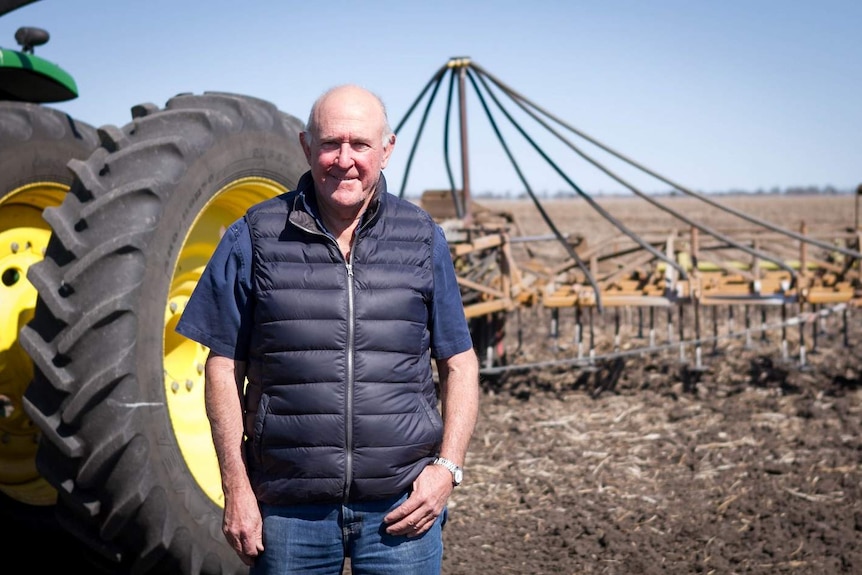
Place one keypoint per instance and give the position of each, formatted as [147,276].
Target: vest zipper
[351,350]
[348,419]
[351,353]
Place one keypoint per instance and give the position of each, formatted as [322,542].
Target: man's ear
[306,146]
[387,151]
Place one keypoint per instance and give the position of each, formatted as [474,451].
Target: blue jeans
[316,539]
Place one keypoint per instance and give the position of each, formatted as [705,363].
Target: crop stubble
[753,466]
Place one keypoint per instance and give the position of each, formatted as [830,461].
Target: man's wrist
[454,469]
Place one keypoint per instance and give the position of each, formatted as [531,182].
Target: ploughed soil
[648,465]
[750,464]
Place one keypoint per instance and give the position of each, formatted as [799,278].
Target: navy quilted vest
[341,400]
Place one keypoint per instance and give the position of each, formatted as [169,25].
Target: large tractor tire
[36,143]
[117,393]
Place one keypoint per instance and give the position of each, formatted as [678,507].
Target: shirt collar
[305,187]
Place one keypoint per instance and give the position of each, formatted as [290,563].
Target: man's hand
[459,387]
[242,524]
[243,527]
[415,516]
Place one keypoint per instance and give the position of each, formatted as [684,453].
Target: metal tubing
[589,362]
[681,333]
[815,327]
[465,162]
[555,327]
[579,332]
[747,327]
[802,358]
[520,331]
[670,324]
[845,329]
[715,329]
[640,323]
[652,327]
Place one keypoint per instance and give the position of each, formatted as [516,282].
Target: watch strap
[453,468]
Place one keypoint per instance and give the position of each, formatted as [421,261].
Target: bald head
[354,98]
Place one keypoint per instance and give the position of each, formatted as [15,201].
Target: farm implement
[738,274]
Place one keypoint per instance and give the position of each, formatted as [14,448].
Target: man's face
[346,151]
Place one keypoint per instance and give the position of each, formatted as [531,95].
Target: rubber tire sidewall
[37,142]
[126,486]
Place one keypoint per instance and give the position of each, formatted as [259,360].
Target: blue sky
[732,94]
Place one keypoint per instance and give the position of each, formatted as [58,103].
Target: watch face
[459,475]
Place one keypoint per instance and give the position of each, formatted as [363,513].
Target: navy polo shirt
[219,312]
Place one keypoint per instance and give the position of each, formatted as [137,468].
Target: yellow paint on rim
[184,359]
[23,238]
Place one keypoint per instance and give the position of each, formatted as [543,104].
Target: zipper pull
[349,269]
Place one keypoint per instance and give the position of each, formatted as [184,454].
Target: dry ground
[752,466]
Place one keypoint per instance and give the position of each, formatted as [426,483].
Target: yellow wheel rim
[184,358]
[23,238]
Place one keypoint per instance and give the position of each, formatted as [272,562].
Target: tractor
[104,232]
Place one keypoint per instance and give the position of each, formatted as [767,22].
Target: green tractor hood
[24,77]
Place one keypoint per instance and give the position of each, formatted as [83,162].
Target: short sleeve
[218,313]
[450,334]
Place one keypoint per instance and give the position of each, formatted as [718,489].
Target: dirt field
[751,466]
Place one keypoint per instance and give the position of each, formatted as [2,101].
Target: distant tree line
[775,190]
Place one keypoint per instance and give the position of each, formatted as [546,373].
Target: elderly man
[323,309]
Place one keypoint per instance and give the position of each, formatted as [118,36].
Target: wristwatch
[457,472]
